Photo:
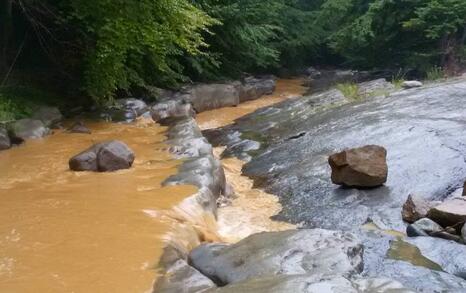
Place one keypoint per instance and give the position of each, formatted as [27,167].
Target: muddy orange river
[64,231]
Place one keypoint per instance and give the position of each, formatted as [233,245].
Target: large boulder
[23,129]
[50,116]
[5,142]
[292,252]
[253,88]
[450,212]
[415,208]
[213,96]
[103,157]
[360,167]
[309,283]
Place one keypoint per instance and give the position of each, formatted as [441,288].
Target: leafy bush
[349,90]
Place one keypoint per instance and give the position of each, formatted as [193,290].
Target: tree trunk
[6,18]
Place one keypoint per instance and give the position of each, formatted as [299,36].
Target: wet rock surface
[423,227]
[360,167]
[103,157]
[411,84]
[423,130]
[316,251]
[314,284]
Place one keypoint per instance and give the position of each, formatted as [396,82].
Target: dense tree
[110,45]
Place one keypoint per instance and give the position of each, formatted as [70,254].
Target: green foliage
[435,73]
[349,89]
[134,42]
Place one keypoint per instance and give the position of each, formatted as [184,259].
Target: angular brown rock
[360,167]
[450,212]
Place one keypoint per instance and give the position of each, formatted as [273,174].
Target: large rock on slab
[450,212]
[360,167]
[213,96]
[416,208]
[5,142]
[290,252]
[27,129]
[103,157]
[181,277]
[309,283]
[50,116]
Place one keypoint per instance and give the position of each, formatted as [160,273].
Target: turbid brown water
[62,231]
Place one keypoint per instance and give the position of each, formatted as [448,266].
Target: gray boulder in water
[5,142]
[314,284]
[79,127]
[293,252]
[360,167]
[23,129]
[103,157]
[212,96]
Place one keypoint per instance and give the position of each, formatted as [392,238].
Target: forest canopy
[105,46]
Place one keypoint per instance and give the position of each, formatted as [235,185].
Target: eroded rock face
[360,167]
[103,157]
[293,252]
[5,142]
[415,208]
[50,116]
[308,283]
[450,212]
[139,107]
[23,129]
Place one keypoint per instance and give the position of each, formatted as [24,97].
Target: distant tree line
[105,46]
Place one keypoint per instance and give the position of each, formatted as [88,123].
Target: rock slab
[103,157]
[293,252]
[360,167]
